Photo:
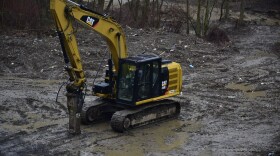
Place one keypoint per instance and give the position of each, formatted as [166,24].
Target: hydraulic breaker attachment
[74,104]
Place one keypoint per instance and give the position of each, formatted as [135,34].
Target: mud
[230,100]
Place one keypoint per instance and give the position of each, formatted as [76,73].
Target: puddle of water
[33,115]
[31,127]
[240,86]
[247,89]
[49,82]
[140,141]
[96,128]
[259,54]
[254,94]
[166,139]
[45,123]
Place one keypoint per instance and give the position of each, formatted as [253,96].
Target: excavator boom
[65,12]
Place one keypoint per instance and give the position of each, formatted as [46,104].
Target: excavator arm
[65,12]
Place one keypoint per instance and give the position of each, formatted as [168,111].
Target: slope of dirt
[230,100]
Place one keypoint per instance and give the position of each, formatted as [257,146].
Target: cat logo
[90,21]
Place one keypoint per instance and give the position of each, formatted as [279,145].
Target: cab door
[148,80]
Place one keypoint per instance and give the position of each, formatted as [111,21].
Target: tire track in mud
[28,116]
[41,126]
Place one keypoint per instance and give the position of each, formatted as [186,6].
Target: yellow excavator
[136,89]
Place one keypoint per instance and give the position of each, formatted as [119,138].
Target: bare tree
[152,18]
[155,11]
[208,14]
[241,15]
[94,5]
[206,18]
[109,6]
[203,21]
[188,16]
[222,10]
[134,8]
[198,22]
[227,9]
[100,6]
[2,13]
[120,9]
[145,13]
[159,6]
[224,5]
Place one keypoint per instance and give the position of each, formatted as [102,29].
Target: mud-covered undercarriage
[124,118]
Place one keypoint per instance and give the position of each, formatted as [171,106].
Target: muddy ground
[230,100]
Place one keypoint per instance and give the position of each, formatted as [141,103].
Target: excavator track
[140,116]
[123,119]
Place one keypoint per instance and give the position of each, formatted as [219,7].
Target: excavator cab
[138,79]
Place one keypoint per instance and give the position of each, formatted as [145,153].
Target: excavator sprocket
[94,111]
[140,116]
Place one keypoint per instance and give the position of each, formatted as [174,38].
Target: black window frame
[152,86]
